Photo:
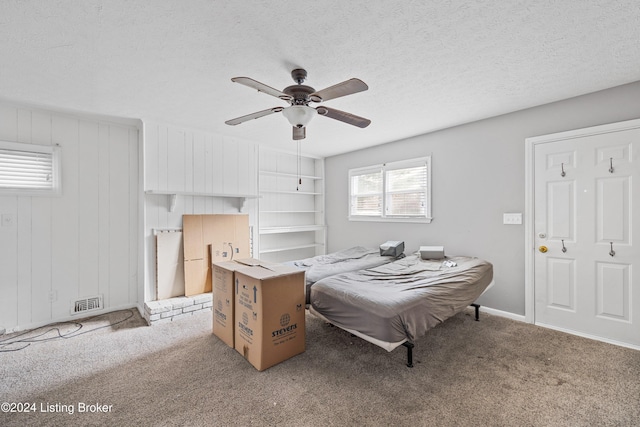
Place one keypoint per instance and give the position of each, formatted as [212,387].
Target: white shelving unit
[291,206]
[292,229]
[172,196]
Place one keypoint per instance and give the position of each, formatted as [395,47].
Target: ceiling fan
[299,113]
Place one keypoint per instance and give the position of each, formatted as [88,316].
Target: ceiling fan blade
[299,133]
[341,89]
[349,118]
[261,87]
[256,115]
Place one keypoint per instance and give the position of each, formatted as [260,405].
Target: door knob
[543,249]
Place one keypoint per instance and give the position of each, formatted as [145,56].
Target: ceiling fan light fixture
[299,115]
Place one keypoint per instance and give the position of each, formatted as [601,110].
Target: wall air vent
[87,304]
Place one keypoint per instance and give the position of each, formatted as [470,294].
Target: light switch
[512,218]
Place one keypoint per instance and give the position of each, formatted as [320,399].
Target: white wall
[188,160]
[88,240]
[478,174]
[82,243]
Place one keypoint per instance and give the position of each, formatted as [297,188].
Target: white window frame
[56,185]
[384,168]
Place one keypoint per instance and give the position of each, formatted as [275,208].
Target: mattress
[402,300]
[351,259]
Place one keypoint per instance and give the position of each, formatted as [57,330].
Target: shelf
[308,193]
[292,208]
[289,212]
[291,248]
[242,198]
[291,229]
[290,175]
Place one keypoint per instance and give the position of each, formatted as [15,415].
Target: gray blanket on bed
[403,299]
[352,259]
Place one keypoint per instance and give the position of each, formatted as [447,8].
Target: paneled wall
[83,243]
[190,161]
[478,175]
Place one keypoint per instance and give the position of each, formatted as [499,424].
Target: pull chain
[298,164]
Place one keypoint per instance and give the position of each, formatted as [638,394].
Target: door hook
[563,172]
[610,164]
[563,248]
[612,252]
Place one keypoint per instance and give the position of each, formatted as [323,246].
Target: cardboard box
[432,252]
[223,287]
[269,313]
[209,238]
[224,300]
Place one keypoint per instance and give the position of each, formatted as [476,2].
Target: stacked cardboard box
[224,300]
[207,238]
[268,316]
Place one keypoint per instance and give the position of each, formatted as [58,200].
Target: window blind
[406,191]
[366,193]
[28,168]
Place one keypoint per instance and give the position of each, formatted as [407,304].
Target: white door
[586,233]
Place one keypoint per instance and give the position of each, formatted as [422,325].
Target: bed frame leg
[409,346]
[477,307]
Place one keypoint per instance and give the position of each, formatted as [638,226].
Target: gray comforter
[401,300]
[352,259]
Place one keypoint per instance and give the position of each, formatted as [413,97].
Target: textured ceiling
[429,65]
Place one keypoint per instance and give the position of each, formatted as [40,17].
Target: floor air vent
[87,304]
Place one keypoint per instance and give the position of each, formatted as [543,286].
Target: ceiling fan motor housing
[300,94]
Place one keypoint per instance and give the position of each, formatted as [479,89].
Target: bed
[396,303]
[351,259]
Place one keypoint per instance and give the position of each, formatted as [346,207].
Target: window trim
[384,167]
[55,151]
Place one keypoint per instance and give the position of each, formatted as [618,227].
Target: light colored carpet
[496,372]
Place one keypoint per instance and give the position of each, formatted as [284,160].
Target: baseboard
[75,318]
[521,318]
[501,313]
[591,337]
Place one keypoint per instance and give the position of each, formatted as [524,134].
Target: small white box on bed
[432,252]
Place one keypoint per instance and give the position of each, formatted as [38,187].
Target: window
[29,169]
[366,192]
[399,191]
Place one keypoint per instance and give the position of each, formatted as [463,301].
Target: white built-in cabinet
[291,206]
